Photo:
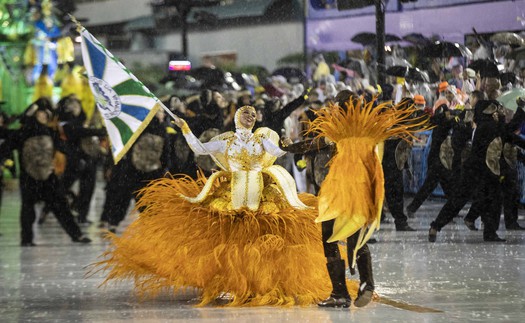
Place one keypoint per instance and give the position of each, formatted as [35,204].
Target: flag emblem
[107,100]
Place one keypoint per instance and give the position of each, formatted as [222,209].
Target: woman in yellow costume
[243,231]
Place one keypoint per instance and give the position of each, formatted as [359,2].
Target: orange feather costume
[353,191]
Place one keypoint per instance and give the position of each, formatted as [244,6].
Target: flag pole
[75,21]
[168,111]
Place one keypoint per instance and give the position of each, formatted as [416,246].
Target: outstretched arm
[195,144]
[306,146]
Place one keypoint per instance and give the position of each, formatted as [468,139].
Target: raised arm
[196,145]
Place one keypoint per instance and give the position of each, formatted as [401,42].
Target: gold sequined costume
[243,231]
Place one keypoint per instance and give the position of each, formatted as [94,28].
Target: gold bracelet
[185,128]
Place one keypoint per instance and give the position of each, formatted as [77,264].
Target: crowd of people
[64,143]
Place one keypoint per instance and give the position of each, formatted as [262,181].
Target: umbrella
[210,77]
[508,38]
[417,39]
[508,77]
[446,49]
[366,38]
[293,75]
[389,38]
[508,98]
[416,75]
[397,70]
[485,67]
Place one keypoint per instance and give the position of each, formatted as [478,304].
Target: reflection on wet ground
[459,278]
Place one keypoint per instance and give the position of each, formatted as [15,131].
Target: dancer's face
[247,118]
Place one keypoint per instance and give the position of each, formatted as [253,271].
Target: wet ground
[459,278]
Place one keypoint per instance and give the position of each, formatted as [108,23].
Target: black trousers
[120,189]
[509,199]
[52,193]
[364,258]
[394,190]
[85,171]
[486,188]
[511,195]
[436,173]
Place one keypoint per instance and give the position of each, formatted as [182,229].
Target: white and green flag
[125,103]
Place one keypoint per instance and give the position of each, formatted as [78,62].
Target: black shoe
[372,240]
[28,244]
[82,239]
[432,235]
[363,298]
[404,227]
[470,225]
[515,226]
[493,238]
[335,302]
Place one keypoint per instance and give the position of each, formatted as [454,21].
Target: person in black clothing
[81,153]
[509,175]
[36,144]
[208,109]
[274,115]
[509,169]
[183,159]
[481,174]
[439,170]
[318,153]
[395,156]
[461,141]
[148,159]
[461,138]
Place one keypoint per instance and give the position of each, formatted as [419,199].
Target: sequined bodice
[245,155]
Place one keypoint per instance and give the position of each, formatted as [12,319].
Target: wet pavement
[459,278]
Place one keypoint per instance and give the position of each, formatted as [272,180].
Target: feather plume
[352,192]
[258,258]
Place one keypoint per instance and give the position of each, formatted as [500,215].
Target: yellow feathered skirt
[258,258]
